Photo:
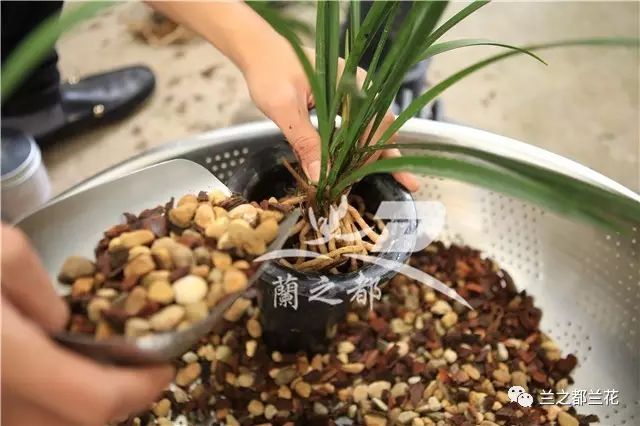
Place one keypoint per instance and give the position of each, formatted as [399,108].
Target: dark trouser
[41,88]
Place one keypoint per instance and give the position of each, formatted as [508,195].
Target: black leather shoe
[92,101]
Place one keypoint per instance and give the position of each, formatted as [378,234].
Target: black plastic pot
[309,327]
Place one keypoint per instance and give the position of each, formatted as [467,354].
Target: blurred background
[583,105]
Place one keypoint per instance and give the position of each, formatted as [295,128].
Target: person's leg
[46,108]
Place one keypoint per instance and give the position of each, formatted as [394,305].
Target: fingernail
[313,171]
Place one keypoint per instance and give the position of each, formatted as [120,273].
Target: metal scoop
[79,220]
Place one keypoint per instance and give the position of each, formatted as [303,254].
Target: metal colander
[586,281]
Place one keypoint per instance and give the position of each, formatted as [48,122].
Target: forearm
[232,27]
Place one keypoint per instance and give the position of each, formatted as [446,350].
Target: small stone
[398,326]
[353,368]
[254,328]
[154,276]
[399,389]
[189,289]
[450,356]
[319,409]
[234,281]
[223,353]
[473,372]
[440,307]
[406,417]
[187,199]
[75,267]
[181,216]
[141,237]
[217,228]
[181,255]
[303,389]
[189,357]
[107,293]
[196,311]
[162,407]
[267,230]
[501,376]
[161,292]
[136,300]
[237,309]
[379,404]
[167,318]
[230,420]
[270,411]
[255,408]
[103,331]
[375,389]
[95,308]
[566,419]
[434,404]
[246,212]
[284,392]
[82,286]
[217,196]
[250,348]
[449,319]
[188,374]
[221,260]
[518,378]
[137,251]
[136,327]
[285,375]
[245,380]
[139,266]
[414,379]
[360,393]
[346,347]
[374,420]
[215,294]
[503,353]
[204,215]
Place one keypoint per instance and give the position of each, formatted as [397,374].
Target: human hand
[279,87]
[43,383]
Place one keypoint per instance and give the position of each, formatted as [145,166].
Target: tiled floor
[584,105]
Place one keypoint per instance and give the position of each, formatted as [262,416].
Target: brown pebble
[82,286]
[254,328]
[161,292]
[162,407]
[188,374]
[75,267]
[303,389]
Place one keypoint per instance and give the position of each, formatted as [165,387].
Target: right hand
[43,383]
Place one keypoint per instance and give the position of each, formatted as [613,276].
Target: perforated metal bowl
[585,280]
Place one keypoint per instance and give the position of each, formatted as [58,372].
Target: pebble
[139,266]
[167,318]
[501,376]
[223,353]
[141,237]
[303,389]
[221,260]
[245,380]
[162,407]
[374,420]
[407,416]
[136,327]
[381,405]
[375,389]
[196,311]
[181,216]
[82,286]
[75,267]
[360,393]
[160,291]
[503,353]
[449,319]
[234,281]
[270,411]
[187,199]
[181,255]
[255,408]
[204,215]
[353,368]
[319,409]
[246,212]
[237,309]
[217,228]
[399,389]
[518,378]
[473,372]
[434,404]
[254,328]
[188,374]
[440,307]
[136,300]
[250,348]
[450,356]
[95,308]
[268,230]
[566,419]
[189,289]
[346,347]
[137,251]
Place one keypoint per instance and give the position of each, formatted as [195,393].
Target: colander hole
[208,160]
[236,152]
[217,157]
[227,155]
[245,150]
